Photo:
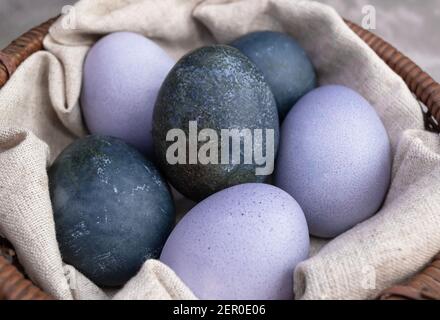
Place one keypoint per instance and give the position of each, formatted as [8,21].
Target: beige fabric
[25,210]
[154,280]
[39,112]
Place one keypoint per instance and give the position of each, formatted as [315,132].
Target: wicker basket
[425,285]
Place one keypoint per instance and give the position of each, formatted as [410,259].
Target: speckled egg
[240,243]
[334,159]
[218,88]
[112,209]
[285,65]
[121,78]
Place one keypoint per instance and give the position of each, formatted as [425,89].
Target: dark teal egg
[220,88]
[112,209]
[283,62]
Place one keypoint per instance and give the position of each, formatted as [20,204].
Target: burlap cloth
[40,115]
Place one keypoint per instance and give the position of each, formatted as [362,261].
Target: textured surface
[284,64]
[122,76]
[218,87]
[112,209]
[240,243]
[334,159]
[424,286]
[13,285]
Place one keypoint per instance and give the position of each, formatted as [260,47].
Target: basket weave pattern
[425,285]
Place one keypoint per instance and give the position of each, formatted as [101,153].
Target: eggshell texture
[285,65]
[220,88]
[334,159]
[112,209]
[240,243]
[122,76]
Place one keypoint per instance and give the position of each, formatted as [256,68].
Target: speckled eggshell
[112,209]
[122,76]
[220,88]
[240,243]
[284,63]
[334,159]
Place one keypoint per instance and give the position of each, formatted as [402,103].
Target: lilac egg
[334,159]
[123,73]
[240,243]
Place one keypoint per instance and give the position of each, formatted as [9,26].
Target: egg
[122,75]
[284,63]
[334,159]
[240,243]
[213,88]
[112,209]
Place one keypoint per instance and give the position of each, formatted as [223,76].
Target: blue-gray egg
[216,88]
[284,63]
[334,159]
[112,209]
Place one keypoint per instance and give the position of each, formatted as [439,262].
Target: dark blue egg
[112,209]
[283,62]
[218,88]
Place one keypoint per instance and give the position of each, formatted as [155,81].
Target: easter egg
[121,78]
[240,243]
[285,65]
[210,91]
[112,209]
[334,159]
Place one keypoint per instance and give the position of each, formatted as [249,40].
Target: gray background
[413,26]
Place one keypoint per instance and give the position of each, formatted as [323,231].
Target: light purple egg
[240,243]
[123,73]
[334,159]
